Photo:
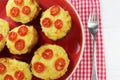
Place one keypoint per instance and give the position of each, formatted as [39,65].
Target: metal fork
[93,28]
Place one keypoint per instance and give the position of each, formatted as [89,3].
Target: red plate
[73,43]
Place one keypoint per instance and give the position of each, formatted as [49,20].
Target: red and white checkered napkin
[84,70]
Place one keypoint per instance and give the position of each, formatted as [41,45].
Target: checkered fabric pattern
[84,70]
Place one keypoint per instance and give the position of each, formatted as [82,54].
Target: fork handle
[94,65]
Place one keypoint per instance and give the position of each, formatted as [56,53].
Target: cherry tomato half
[12,36]
[20,44]
[38,67]
[58,24]
[46,22]
[55,10]
[60,64]
[8,77]
[47,54]
[19,75]
[2,68]
[18,2]
[26,10]
[23,30]
[1,37]
[14,12]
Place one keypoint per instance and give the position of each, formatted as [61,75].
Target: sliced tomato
[14,12]
[12,36]
[47,54]
[2,68]
[18,2]
[8,77]
[19,75]
[1,37]
[26,10]
[55,10]
[58,24]
[38,67]
[23,30]
[60,64]
[20,44]
[46,22]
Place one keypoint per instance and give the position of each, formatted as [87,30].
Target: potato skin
[13,65]
[4,29]
[51,32]
[30,40]
[34,10]
[50,72]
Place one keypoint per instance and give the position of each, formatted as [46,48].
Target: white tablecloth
[110,10]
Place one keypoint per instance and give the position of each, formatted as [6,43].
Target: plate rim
[83,39]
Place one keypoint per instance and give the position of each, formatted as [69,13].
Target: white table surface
[110,10]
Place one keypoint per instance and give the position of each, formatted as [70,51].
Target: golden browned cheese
[50,71]
[13,65]
[52,32]
[4,29]
[30,40]
[34,10]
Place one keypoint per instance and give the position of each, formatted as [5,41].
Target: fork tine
[90,17]
[93,16]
